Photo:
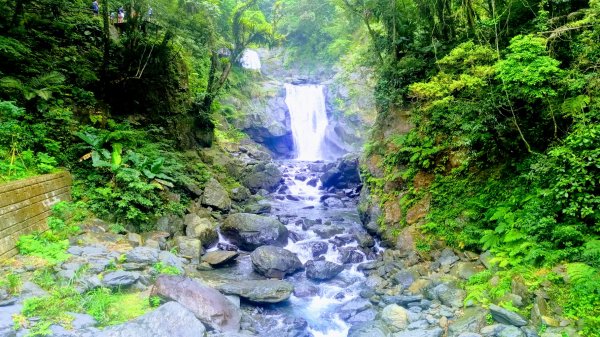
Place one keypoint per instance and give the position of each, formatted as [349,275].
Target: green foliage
[12,282]
[582,299]
[160,268]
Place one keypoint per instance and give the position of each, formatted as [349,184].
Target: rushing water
[308,115]
[250,60]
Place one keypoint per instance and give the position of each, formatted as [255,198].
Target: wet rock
[356,305]
[261,176]
[292,197]
[504,316]
[344,174]
[6,320]
[367,315]
[170,319]
[318,248]
[369,329]
[364,240]
[201,228]
[322,270]
[120,278]
[333,203]
[143,255]
[249,231]
[327,231]
[276,262]
[207,304]
[259,291]
[216,196]
[312,182]
[472,319]
[395,316]
[469,334]
[305,290]
[300,177]
[188,247]
[219,257]
[350,255]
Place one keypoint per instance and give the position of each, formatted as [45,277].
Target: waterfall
[250,60]
[306,104]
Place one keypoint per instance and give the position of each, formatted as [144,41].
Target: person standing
[120,15]
[95,7]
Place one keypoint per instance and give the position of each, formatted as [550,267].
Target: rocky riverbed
[286,254]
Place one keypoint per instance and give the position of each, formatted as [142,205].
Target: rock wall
[25,205]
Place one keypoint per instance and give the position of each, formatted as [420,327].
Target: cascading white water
[306,104]
[250,60]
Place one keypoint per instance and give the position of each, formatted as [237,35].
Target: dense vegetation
[503,96]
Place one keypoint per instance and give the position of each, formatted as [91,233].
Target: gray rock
[82,321]
[356,305]
[327,231]
[318,248]
[511,331]
[216,196]
[471,320]
[120,278]
[207,304]
[449,294]
[333,203]
[171,319]
[219,257]
[240,193]
[405,278]
[435,332]
[469,334]
[170,259]
[504,316]
[134,239]
[322,270]
[188,247]
[272,261]
[261,176]
[492,330]
[365,240]
[249,231]
[363,316]
[201,228]
[6,321]
[260,291]
[369,329]
[171,224]
[395,316]
[485,258]
[144,255]
[448,257]
[344,174]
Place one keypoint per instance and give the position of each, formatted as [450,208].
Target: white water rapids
[308,115]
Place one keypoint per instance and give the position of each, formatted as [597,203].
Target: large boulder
[260,291]
[249,231]
[189,248]
[145,255]
[370,329]
[322,270]
[120,278]
[219,257]
[261,176]
[276,262]
[207,304]
[170,319]
[504,316]
[201,228]
[216,196]
[395,316]
[344,174]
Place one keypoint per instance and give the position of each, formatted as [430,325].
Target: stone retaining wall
[25,205]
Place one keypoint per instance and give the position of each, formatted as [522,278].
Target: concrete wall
[25,205]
